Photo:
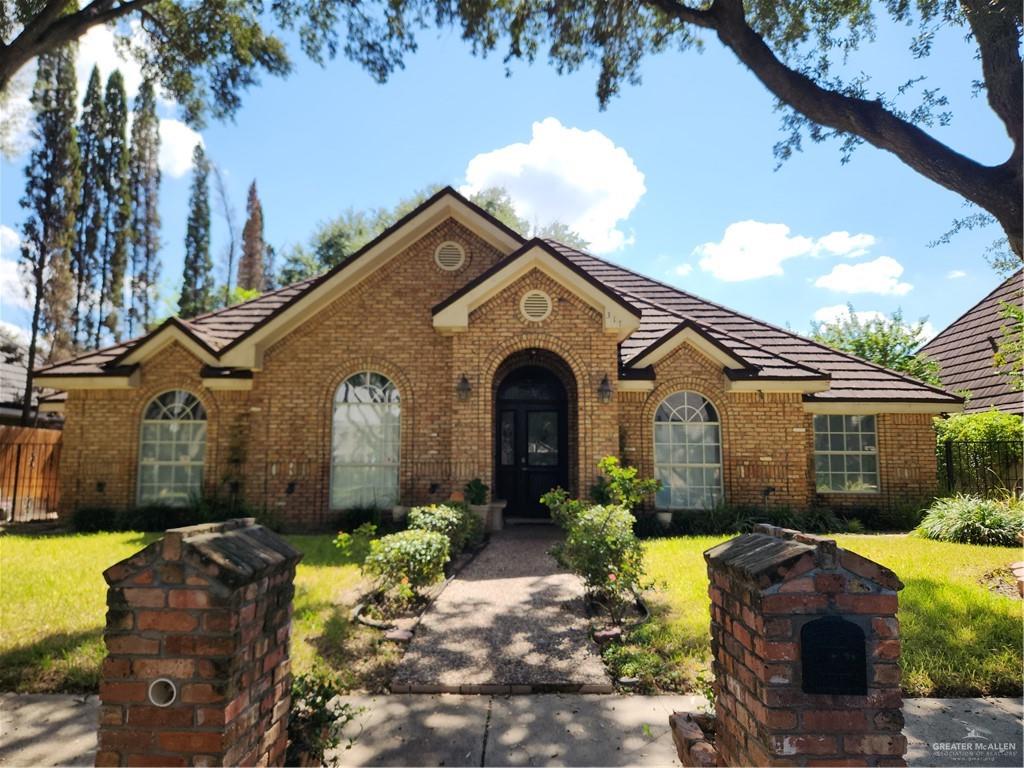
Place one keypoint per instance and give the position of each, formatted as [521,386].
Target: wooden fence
[29,462]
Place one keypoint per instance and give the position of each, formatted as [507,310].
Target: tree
[556,230]
[117,209]
[144,184]
[886,341]
[1009,356]
[270,269]
[227,212]
[207,52]
[197,293]
[53,182]
[89,219]
[250,266]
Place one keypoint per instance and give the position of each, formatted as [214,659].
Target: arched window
[365,443]
[172,449]
[687,452]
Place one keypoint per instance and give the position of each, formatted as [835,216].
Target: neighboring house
[965,350]
[13,371]
[451,348]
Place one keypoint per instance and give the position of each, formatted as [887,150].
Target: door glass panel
[508,438]
[542,438]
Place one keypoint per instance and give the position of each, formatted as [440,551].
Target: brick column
[806,653]
[198,671]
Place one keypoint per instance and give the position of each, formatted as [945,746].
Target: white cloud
[683,270]
[928,332]
[10,243]
[753,249]
[12,290]
[836,312]
[878,276]
[177,141]
[577,177]
[955,274]
[17,331]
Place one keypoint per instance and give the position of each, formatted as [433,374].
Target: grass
[959,638]
[53,606]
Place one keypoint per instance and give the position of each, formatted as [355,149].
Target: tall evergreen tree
[197,294]
[144,185]
[250,266]
[116,209]
[269,269]
[89,220]
[53,182]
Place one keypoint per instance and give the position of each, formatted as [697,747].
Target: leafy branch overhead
[205,53]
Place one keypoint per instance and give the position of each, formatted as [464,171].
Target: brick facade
[273,441]
[198,670]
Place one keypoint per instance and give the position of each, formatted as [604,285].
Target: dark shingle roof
[766,351]
[964,351]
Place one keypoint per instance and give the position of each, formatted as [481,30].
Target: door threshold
[529,521]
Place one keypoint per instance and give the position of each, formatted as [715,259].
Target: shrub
[474,529]
[974,520]
[563,509]
[447,519]
[407,560]
[92,519]
[356,545]
[987,425]
[476,491]
[351,519]
[316,718]
[621,485]
[600,546]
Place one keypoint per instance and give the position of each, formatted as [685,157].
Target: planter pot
[482,511]
[496,516]
[665,519]
[398,513]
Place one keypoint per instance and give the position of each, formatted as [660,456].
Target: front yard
[960,639]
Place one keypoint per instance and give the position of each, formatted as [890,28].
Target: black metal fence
[984,468]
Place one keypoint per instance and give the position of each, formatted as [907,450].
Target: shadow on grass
[64,662]
[959,640]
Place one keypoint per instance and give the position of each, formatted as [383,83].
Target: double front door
[531,441]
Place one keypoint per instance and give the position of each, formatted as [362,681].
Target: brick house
[451,348]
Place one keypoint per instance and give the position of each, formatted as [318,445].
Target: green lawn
[53,602]
[959,638]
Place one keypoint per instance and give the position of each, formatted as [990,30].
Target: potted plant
[664,519]
[476,497]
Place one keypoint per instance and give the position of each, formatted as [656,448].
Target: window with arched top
[366,433]
[687,452]
[172,449]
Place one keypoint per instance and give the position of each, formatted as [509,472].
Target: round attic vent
[450,256]
[535,306]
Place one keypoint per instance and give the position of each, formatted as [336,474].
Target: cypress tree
[250,266]
[197,283]
[89,220]
[53,183]
[144,184]
[116,208]
[270,269]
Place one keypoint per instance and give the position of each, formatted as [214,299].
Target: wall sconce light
[604,390]
[463,388]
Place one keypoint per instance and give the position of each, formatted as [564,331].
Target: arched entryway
[534,423]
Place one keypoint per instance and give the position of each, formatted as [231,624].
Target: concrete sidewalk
[553,729]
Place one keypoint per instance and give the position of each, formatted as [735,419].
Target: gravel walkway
[511,622]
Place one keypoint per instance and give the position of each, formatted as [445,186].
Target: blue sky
[675,179]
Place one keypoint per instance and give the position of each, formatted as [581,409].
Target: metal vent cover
[535,306]
[449,256]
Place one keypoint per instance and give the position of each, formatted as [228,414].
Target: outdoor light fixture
[604,390]
[463,388]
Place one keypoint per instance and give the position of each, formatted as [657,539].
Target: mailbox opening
[832,657]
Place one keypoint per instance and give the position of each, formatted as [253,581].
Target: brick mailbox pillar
[198,671]
[806,653]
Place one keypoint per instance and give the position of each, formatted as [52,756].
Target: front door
[531,422]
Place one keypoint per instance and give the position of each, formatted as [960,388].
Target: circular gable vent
[450,256]
[535,306]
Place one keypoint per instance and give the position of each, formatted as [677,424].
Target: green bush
[476,492]
[974,520]
[351,519]
[563,509]
[620,485]
[987,425]
[316,718]
[356,545]
[474,529]
[93,519]
[407,561]
[601,547]
[447,519]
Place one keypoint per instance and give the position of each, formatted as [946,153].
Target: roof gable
[619,316]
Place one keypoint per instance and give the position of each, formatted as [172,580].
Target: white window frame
[179,495]
[846,435]
[382,407]
[718,491]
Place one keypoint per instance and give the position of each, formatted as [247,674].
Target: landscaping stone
[603,636]
[511,618]
[398,635]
